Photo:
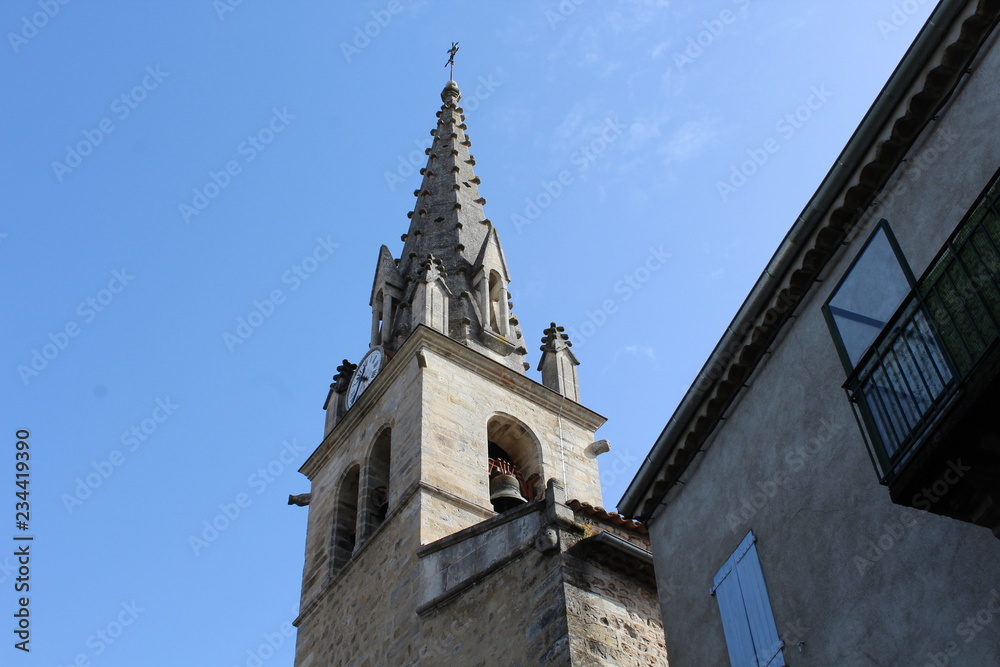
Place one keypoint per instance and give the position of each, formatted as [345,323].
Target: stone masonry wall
[514,617]
[611,620]
[456,409]
[364,616]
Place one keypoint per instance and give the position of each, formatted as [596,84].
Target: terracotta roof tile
[610,517]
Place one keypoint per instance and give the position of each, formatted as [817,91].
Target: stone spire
[449,234]
[558,363]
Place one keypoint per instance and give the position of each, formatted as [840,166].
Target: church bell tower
[455,504]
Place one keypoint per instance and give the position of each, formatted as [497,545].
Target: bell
[505,493]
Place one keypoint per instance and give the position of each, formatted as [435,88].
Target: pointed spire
[450,235]
[448,219]
[558,363]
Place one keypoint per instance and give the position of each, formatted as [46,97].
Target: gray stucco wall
[857,579]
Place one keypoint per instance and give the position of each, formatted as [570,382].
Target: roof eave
[880,121]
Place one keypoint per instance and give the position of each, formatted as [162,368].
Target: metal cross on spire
[451,60]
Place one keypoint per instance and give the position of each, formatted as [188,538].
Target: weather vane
[451,60]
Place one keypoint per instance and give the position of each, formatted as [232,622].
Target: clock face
[369,367]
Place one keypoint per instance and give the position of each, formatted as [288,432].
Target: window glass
[868,295]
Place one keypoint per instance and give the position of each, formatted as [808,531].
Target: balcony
[927,390]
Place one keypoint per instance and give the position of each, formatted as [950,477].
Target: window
[498,299]
[383,312]
[514,463]
[345,519]
[751,635]
[874,286]
[377,483]
[888,345]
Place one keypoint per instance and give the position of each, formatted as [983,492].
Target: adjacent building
[828,490]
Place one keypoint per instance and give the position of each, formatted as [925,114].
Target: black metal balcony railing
[932,344]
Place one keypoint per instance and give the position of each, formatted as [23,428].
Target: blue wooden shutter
[747,620]
[758,607]
[734,617]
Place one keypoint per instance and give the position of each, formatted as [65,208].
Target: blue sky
[176,168]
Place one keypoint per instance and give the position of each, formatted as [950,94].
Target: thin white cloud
[690,139]
[640,351]
[646,128]
[633,350]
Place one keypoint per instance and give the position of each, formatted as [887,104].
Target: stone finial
[554,339]
[343,377]
[335,403]
[340,381]
[451,93]
[431,269]
[558,363]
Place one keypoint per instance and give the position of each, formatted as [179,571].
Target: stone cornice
[513,381]
[425,340]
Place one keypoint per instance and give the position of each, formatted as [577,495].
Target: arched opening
[377,323]
[376,491]
[345,520]
[497,302]
[383,312]
[515,466]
